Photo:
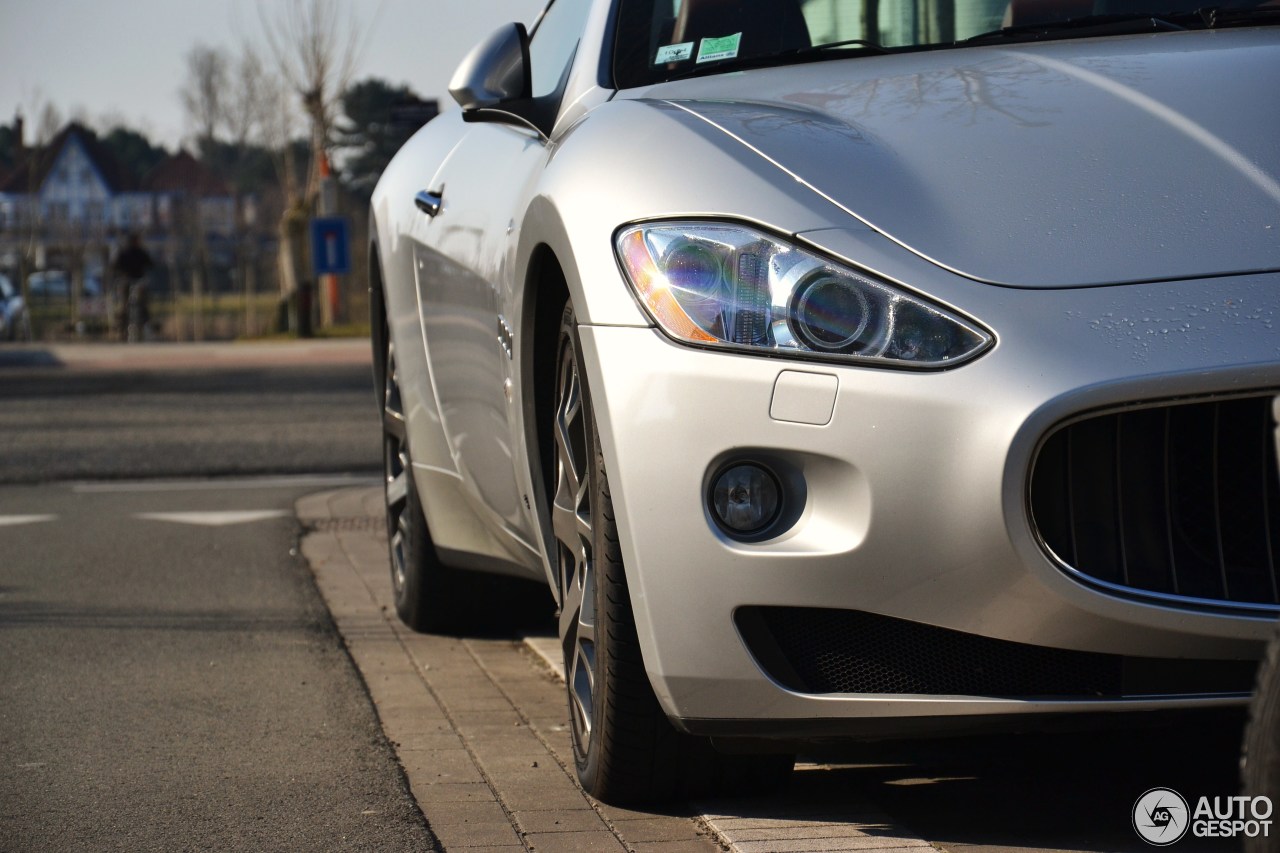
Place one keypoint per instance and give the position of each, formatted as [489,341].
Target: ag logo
[1160,816]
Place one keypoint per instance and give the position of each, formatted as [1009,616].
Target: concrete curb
[801,819]
[479,725]
[480,728]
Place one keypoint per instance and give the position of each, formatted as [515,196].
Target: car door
[464,246]
[461,253]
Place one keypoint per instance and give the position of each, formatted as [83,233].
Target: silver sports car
[847,367]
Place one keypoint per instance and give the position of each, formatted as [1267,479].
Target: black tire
[625,749]
[425,590]
[1260,764]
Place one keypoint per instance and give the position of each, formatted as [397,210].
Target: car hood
[1069,163]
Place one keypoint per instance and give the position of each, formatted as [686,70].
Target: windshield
[660,40]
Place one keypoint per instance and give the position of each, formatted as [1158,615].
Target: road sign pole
[330,257]
[330,307]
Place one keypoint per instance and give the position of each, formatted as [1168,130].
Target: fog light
[745,499]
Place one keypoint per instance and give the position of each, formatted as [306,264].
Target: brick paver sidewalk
[480,727]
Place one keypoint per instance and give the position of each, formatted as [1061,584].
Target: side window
[554,43]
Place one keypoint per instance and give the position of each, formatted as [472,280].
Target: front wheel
[625,749]
[1261,761]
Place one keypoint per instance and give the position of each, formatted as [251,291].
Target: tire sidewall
[1261,758]
[587,763]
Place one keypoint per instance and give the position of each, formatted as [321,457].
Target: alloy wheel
[572,523]
[395,461]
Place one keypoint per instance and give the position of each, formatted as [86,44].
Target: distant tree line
[269,120]
[366,137]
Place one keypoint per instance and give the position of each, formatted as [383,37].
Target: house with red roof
[182,181]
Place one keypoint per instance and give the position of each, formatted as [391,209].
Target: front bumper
[916,503]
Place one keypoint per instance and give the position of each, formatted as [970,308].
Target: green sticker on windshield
[721,48]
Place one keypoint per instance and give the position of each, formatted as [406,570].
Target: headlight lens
[714,284]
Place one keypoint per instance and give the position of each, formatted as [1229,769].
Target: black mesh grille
[818,650]
[1179,500]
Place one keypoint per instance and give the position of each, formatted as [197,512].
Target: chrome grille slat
[1071,504]
[1168,503]
[1177,501]
[1268,440]
[1119,464]
[1215,446]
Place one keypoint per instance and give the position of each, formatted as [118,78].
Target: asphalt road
[185,411]
[170,679]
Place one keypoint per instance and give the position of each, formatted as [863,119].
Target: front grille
[1179,501]
[820,650]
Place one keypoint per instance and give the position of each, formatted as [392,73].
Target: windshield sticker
[674,53]
[721,48]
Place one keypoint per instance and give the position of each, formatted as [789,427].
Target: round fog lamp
[745,499]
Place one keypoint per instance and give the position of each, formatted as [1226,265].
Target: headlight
[722,285]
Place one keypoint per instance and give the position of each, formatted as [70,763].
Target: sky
[125,60]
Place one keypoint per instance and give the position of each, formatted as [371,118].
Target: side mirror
[495,71]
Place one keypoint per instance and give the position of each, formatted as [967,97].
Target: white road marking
[214,519]
[229,483]
[15,520]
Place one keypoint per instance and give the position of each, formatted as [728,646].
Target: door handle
[429,202]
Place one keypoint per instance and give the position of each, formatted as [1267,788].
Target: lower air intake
[820,650]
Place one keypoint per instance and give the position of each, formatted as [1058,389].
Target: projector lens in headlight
[831,314]
[721,285]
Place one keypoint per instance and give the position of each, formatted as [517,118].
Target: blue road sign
[330,246]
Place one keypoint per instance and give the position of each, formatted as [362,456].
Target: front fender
[628,161]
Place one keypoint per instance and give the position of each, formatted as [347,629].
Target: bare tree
[245,105]
[315,48]
[263,111]
[34,242]
[48,124]
[203,91]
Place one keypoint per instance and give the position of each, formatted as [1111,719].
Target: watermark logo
[1160,816]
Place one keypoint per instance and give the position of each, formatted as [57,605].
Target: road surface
[170,678]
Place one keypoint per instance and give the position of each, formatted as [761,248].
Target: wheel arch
[378,325]
[545,292]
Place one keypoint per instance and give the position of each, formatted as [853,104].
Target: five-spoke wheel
[575,537]
[624,747]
